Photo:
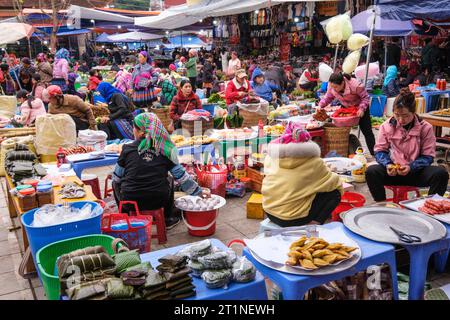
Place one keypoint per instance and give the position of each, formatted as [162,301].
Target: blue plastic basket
[211,108]
[39,237]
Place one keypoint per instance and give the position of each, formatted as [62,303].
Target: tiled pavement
[231,224]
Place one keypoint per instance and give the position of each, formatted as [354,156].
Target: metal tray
[414,205]
[373,223]
[332,269]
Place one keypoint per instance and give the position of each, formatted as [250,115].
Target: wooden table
[15,210]
[437,122]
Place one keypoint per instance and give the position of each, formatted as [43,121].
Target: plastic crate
[39,237]
[47,256]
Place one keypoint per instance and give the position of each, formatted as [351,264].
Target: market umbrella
[13,31]
[383,27]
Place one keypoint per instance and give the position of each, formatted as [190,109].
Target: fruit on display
[275,130]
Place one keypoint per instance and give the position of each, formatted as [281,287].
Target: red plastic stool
[158,220]
[349,200]
[323,140]
[107,192]
[92,180]
[401,193]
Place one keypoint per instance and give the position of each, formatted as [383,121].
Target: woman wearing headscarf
[44,68]
[390,85]
[142,81]
[61,69]
[123,80]
[120,120]
[72,105]
[315,192]
[142,169]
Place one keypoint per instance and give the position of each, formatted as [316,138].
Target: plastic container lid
[44,188]
[27,192]
[33,182]
[24,186]
[45,183]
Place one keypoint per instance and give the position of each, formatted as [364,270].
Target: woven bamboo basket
[190,126]
[251,118]
[337,140]
[16,132]
[163,115]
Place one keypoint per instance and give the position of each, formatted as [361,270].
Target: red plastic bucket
[200,223]
[349,200]
[215,181]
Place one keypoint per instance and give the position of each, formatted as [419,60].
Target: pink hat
[294,133]
[172,67]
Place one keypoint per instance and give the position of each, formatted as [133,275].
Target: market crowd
[404,148]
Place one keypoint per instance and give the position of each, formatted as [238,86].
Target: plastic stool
[108,192]
[158,220]
[401,193]
[92,180]
[349,200]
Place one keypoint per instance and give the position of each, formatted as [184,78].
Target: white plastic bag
[325,71]
[338,28]
[351,62]
[54,131]
[357,41]
[374,69]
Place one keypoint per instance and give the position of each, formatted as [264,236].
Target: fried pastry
[308,264]
[319,262]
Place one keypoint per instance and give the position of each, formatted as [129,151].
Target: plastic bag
[243,270]
[357,41]
[374,69]
[50,214]
[217,278]
[8,106]
[261,108]
[215,261]
[347,28]
[351,62]
[199,249]
[54,131]
[334,29]
[197,268]
[325,71]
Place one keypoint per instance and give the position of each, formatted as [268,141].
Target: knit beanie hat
[294,133]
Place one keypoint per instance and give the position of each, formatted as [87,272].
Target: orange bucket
[200,223]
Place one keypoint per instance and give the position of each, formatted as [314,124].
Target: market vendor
[298,188]
[262,88]
[309,78]
[185,100]
[237,89]
[142,169]
[44,68]
[350,92]
[390,84]
[120,119]
[72,105]
[405,150]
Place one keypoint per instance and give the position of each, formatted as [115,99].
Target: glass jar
[45,195]
[27,199]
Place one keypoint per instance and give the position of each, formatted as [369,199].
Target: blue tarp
[410,9]
[103,38]
[62,31]
[186,41]
[383,27]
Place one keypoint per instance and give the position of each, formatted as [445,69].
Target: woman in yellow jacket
[298,188]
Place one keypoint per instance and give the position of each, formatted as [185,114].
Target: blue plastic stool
[377,104]
[294,287]
[432,99]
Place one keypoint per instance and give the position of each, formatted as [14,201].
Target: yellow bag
[10,144]
[351,62]
[54,131]
[357,41]
[8,106]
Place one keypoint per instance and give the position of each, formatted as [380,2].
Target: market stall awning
[86,13]
[410,9]
[134,36]
[11,32]
[104,37]
[383,27]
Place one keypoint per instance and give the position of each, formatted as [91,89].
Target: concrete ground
[231,224]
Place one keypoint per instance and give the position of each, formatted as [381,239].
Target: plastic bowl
[345,121]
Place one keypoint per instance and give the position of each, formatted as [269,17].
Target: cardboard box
[256,178]
[254,207]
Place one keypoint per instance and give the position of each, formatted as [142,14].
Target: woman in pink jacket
[30,109]
[405,150]
[350,92]
[61,69]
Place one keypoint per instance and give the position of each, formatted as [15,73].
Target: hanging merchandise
[357,41]
[347,28]
[325,72]
[351,62]
[374,69]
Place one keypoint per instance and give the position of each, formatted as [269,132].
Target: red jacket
[233,89]
[93,83]
[180,104]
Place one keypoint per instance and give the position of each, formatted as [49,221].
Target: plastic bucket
[200,223]
[210,107]
[349,200]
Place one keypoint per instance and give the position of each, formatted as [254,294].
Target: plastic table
[109,160]
[254,290]
[294,287]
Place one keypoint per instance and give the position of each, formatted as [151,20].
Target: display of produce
[198,204]
[435,207]
[377,121]
[275,130]
[320,115]
[284,112]
[234,134]
[182,141]
[345,112]
[78,150]
[313,253]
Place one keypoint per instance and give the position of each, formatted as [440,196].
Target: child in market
[30,108]
[94,80]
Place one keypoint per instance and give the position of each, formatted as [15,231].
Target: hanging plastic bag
[351,62]
[334,29]
[374,69]
[347,28]
[325,71]
[357,41]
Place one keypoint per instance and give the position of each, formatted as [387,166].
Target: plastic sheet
[351,62]
[50,214]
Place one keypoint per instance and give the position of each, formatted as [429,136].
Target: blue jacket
[262,90]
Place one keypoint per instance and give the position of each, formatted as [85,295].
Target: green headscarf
[156,136]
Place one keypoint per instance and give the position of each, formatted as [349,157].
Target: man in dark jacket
[393,53]
[430,54]
[208,73]
[276,76]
